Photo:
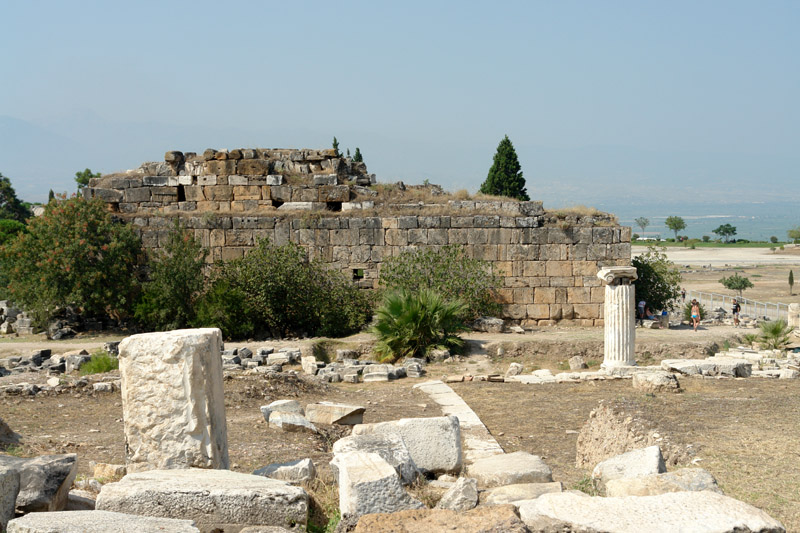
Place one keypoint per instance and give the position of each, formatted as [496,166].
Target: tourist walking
[695,314]
[736,310]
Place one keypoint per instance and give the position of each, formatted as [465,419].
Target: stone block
[194,194]
[97,522]
[635,463]
[486,519]
[389,446]
[9,489]
[299,471]
[519,492]
[325,179]
[434,443]
[44,481]
[253,167]
[684,479]
[334,193]
[217,500]
[219,193]
[665,513]
[136,195]
[658,381]
[292,423]
[247,192]
[368,484]
[220,168]
[206,180]
[462,496]
[172,400]
[160,181]
[333,413]
[509,469]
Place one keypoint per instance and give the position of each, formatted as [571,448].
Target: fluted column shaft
[619,316]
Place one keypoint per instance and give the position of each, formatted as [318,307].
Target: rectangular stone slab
[173,401]
[335,413]
[97,522]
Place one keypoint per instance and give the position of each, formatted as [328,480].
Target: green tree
[75,256]
[51,196]
[505,175]
[642,222]
[176,281]
[659,280]
[676,224]
[725,231]
[412,324]
[736,283]
[10,206]
[447,271]
[794,234]
[357,157]
[791,281]
[9,228]
[336,146]
[82,178]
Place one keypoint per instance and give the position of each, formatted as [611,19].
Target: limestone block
[9,488]
[334,193]
[138,194]
[486,519]
[292,423]
[172,400]
[462,496]
[333,413]
[215,499]
[510,468]
[658,381]
[712,366]
[219,193]
[666,513]
[685,479]
[293,471]
[253,167]
[305,194]
[97,522]
[520,491]
[434,443]
[247,192]
[44,481]
[635,463]
[220,168]
[389,446]
[207,180]
[368,484]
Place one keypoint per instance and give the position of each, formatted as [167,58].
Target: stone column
[619,316]
[172,400]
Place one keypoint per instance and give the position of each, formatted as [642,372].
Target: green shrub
[706,238]
[101,362]
[774,335]
[9,228]
[658,281]
[285,293]
[687,311]
[176,281]
[73,256]
[223,306]
[412,324]
[447,271]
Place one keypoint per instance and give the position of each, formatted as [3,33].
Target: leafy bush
[706,238]
[285,293]
[773,239]
[448,272]
[687,311]
[412,324]
[9,228]
[101,362]
[774,335]
[737,283]
[222,306]
[176,280]
[73,256]
[658,281]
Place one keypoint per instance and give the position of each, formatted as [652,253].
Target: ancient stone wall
[547,261]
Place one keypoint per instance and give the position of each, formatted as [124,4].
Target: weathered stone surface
[109,471]
[9,488]
[44,481]
[514,369]
[685,479]
[291,422]
[97,522]
[705,511]
[635,463]
[80,500]
[434,443]
[7,435]
[520,491]
[485,519]
[462,496]
[510,468]
[212,498]
[658,381]
[282,406]
[577,363]
[368,484]
[789,373]
[389,446]
[334,413]
[293,471]
[172,400]
[488,324]
[712,366]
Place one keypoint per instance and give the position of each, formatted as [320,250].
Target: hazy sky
[641,100]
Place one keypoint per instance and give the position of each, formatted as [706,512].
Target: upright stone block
[172,400]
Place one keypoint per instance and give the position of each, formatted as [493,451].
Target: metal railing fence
[753,308]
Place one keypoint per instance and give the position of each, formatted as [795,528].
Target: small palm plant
[748,339]
[775,335]
[411,324]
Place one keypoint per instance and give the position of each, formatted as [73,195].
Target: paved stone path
[478,442]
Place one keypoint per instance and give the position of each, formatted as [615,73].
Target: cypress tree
[357,157]
[505,176]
